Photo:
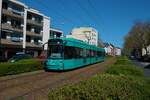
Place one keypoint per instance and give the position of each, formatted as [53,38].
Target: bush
[105,87]
[122,81]
[126,67]
[125,70]
[123,61]
[21,66]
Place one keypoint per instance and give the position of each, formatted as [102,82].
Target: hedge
[122,81]
[22,66]
[105,87]
[126,67]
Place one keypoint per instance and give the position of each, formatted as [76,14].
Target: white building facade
[112,50]
[146,51]
[86,34]
[23,29]
[56,33]
[117,51]
[109,50]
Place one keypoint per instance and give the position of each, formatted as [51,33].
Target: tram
[68,53]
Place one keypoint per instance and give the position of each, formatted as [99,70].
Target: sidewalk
[143,65]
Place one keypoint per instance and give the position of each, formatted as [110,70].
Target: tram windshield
[55,49]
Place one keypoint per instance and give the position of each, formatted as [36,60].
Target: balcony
[33,34]
[12,13]
[9,42]
[33,45]
[12,28]
[32,22]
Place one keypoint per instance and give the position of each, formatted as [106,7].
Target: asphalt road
[36,85]
[143,65]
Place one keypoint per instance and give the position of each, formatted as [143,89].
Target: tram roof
[80,44]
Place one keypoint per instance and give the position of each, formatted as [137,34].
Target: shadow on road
[144,65]
[147,67]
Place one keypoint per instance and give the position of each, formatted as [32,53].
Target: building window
[16,23]
[28,38]
[28,27]
[52,34]
[16,37]
[17,9]
[4,5]
[4,19]
[38,30]
[29,16]
[3,35]
[36,40]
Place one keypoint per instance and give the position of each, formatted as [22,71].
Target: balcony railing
[9,42]
[10,13]
[33,45]
[12,28]
[32,22]
[33,34]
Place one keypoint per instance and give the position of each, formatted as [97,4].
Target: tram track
[23,80]
[45,81]
[56,82]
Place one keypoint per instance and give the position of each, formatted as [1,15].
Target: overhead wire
[98,21]
[81,19]
[86,12]
[56,12]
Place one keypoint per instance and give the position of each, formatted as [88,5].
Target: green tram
[68,53]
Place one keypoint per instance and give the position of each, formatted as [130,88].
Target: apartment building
[37,31]
[55,33]
[22,29]
[86,34]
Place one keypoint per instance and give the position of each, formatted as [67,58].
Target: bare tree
[137,38]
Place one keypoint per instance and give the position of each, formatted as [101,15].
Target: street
[36,86]
[143,65]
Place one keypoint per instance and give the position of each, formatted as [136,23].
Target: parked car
[2,59]
[19,56]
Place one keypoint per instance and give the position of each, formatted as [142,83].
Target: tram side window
[103,53]
[68,52]
[99,53]
[72,52]
[81,53]
[92,53]
[88,54]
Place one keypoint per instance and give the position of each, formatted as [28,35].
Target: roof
[79,43]
[85,28]
[108,44]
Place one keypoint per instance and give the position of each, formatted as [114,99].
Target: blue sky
[112,18]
